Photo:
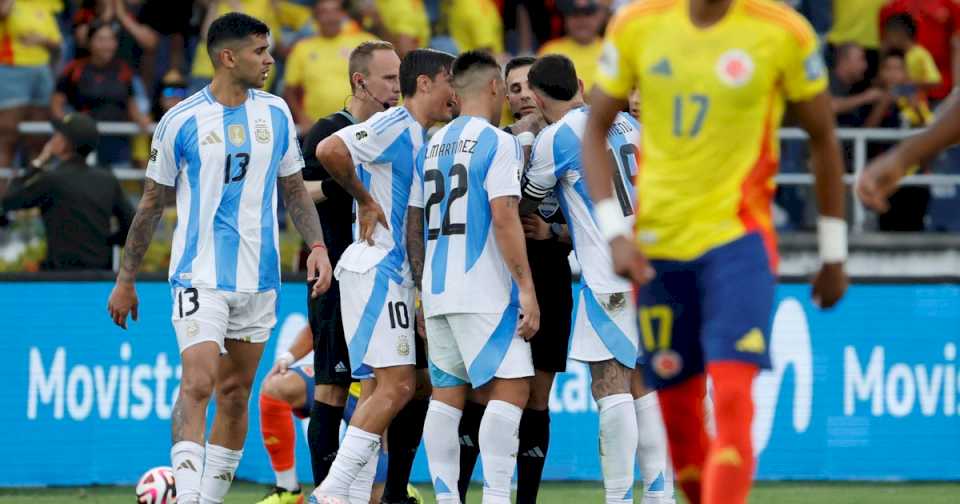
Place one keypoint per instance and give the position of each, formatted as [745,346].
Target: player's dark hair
[467,64]
[902,22]
[518,62]
[428,62]
[230,28]
[555,76]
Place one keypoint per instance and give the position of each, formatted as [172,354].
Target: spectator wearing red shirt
[938,30]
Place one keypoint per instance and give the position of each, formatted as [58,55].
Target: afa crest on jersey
[261,131]
[735,68]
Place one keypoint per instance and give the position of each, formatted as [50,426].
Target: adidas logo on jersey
[662,67]
[340,367]
[212,138]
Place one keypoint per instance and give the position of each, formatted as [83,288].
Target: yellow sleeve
[804,73]
[487,28]
[292,16]
[921,68]
[616,75]
[293,73]
[48,27]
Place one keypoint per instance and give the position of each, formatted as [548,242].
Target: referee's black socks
[532,453]
[403,439]
[323,436]
[469,443]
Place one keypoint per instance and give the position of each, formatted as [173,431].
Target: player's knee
[398,391]
[281,387]
[233,396]
[197,386]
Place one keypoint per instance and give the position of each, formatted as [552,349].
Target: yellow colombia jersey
[711,102]
[319,65]
[584,57]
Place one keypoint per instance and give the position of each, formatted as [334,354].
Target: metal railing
[860,137]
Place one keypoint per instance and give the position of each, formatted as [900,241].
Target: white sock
[187,460]
[362,486]
[288,479]
[441,441]
[499,441]
[356,449]
[218,472]
[618,442]
[652,451]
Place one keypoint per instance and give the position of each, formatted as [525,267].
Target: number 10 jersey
[556,159]
[464,166]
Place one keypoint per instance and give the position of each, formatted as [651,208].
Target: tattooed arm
[299,205]
[509,234]
[123,299]
[334,155]
[416,249]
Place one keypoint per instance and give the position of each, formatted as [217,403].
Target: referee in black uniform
[375,84]
[548,246]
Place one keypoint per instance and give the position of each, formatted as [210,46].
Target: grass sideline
[555,493]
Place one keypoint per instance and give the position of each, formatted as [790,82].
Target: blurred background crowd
[892,62]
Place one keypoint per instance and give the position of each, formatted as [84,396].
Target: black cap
[81,130]
[573,7]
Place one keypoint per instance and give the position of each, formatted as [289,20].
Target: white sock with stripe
[652,452]
[499,441]
[356,450]
[219,470]
[618,446]
[440,439]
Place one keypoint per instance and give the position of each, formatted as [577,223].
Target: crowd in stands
[892,61]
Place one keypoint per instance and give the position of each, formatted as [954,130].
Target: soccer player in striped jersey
[714,77]
[374,162]
[223,153]
[604,328]
[478,295]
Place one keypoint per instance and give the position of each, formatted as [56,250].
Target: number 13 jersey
[458,172]
[556,160]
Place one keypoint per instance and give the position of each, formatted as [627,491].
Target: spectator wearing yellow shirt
[29,36]
[314,84]
[265,10]
[582,44]
[857,21]
[899,34]
[475,25]
[404,23]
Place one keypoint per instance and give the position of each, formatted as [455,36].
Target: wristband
[526,139]
[286,357]
[318,245]
[832,239]
[610,219]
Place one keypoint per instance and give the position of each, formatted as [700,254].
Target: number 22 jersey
[464,166]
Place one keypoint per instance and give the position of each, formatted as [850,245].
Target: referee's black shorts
[551,279]
[331,358]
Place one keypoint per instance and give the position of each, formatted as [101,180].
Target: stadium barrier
[869,391]
[859,137]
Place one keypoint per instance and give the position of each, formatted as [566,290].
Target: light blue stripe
[387,125]
[658,484]
[368,321]
[186,147]
[565,209]
[269,274]
[438,263]
[226,230]
[610,334]
[400,157]
[386,117]
[178,110]
[478,204]
[442,379]
[484,366]
[439,487]
[381,124]
[581,188]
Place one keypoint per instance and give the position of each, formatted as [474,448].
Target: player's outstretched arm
[333,154]
[416,249]
[510,240]
[816,118]
[123,298]
[599,168]
[880,178]
[301,346]
[303,213]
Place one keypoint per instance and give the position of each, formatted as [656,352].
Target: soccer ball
[156,487]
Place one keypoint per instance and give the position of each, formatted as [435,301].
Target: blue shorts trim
[609,332]
[442,379]
[717,307]
[304,412]
[488,360]
[371,313]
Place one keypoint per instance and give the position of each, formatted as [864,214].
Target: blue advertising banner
[867,391]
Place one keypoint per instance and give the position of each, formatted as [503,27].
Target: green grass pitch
[558,493]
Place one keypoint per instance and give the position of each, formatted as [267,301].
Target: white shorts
[476,347]
[604,327]
[201,314]
[378,321]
